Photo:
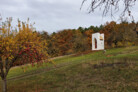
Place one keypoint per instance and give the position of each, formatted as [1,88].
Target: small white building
[97,41]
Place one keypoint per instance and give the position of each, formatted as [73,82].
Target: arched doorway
[95,40]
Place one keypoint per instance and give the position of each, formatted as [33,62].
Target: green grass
[114,71]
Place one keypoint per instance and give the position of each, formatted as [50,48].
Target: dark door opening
[95,43]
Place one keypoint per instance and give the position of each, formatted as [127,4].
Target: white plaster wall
[100,43]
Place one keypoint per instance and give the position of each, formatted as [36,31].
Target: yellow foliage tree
[22,43]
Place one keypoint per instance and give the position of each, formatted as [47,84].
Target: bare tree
[111,6]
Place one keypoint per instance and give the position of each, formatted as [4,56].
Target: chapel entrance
[95,40]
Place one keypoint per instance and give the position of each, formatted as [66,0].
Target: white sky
[55,15]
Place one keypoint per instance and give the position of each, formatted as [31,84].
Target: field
[113,71]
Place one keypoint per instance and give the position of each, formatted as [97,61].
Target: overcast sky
[54,15]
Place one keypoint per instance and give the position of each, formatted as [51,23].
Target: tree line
[71,41]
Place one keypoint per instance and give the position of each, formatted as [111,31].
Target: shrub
[120,44]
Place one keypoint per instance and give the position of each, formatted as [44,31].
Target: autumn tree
[21,43]
[51,40]
[129,35]
[88,35]
[80,43]
[64,41]
[108,29]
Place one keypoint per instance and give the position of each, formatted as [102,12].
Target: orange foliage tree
[107,30]
[22,43]
[64,41]
[88,34]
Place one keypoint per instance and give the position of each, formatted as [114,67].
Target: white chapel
[97,41]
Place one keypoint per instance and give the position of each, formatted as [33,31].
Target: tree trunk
[4,84]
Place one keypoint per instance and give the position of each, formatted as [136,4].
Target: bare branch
[111,6]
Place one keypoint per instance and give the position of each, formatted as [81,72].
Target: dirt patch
[109,55]
[102,65]
[123,53]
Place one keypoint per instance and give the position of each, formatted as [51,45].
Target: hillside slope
[114,71]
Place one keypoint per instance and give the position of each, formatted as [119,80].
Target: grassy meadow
[113,71]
